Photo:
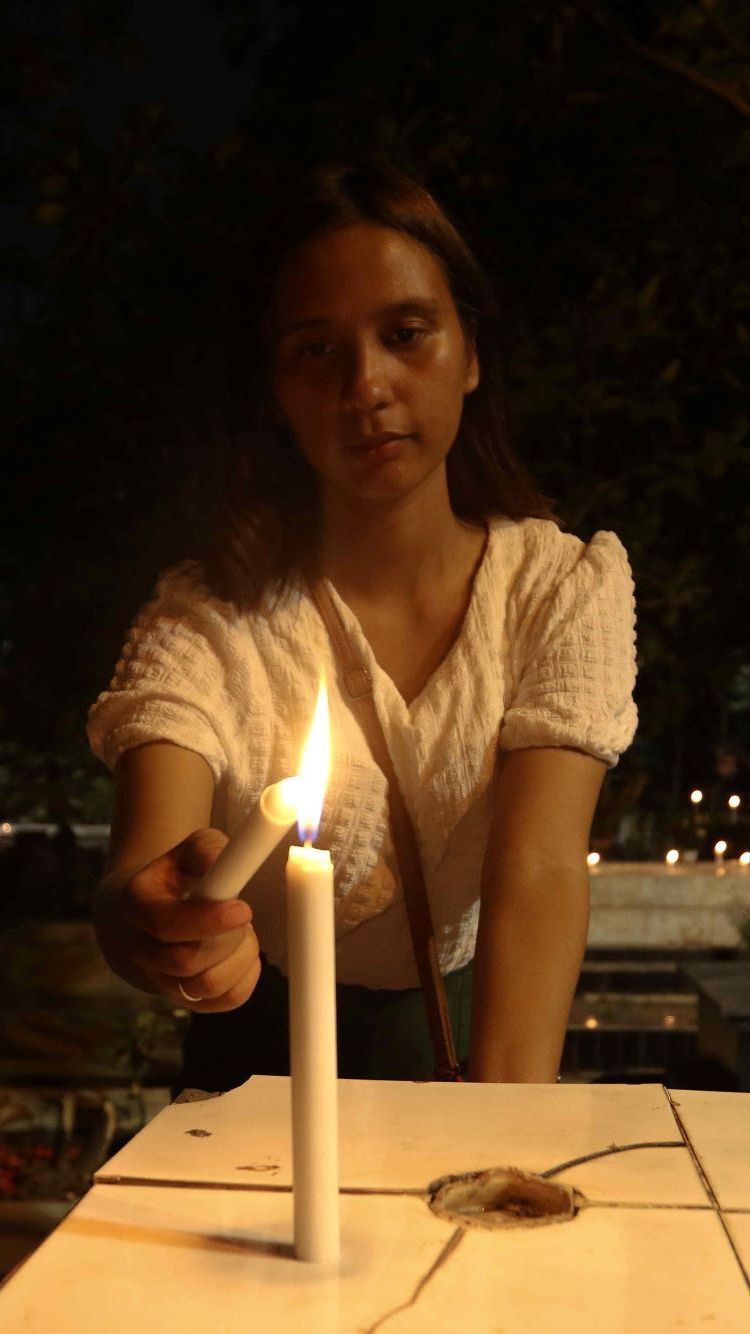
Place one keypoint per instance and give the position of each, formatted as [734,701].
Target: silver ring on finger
[194,999]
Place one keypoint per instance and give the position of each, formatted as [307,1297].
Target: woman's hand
[211,948]
[149,929]
[156,936]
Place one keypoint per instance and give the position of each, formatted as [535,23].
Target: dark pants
[381,1034]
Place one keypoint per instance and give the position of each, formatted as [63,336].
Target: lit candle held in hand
[312,1012]
[262,831]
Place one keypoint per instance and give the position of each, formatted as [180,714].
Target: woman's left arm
[534,912]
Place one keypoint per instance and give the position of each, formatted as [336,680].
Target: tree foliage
[598,157]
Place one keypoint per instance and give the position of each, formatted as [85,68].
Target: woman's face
[371,364]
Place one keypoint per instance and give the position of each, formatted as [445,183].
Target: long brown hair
[267,527]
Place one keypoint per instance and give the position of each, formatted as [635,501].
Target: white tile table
[188,1228]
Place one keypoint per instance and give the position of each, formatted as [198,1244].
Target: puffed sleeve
[172,680]
[577,673]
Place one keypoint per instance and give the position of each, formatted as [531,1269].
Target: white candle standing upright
[256,839]
[312,1014]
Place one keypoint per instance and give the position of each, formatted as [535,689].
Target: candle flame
[313,769]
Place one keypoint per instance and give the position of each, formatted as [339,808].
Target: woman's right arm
[150,932]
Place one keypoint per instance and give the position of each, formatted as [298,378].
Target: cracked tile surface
[384,1144]
[647,1252]
[739,1228]
[155,1258]
[719,1128]
[623,1271]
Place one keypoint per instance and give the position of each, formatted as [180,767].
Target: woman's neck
[402,547]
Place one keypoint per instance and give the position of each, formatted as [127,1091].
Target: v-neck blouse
[545,657]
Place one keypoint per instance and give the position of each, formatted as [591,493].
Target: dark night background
[598,158]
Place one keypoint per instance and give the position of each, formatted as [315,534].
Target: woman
[502,653]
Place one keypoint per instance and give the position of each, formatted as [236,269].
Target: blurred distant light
[591,1021]
[696,796]
[745,859]
[734,802]
[6,827]
[593,859]
[672,857]
[669,1020]
[720,848]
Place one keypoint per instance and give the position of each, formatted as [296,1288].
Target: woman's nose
[366,382]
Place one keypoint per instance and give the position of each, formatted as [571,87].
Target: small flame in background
[314,768]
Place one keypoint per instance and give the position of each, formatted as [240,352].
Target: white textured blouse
[545,657]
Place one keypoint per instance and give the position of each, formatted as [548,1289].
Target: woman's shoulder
[186,581]
[540,556]
[183,590]
[183,613]
[185,605]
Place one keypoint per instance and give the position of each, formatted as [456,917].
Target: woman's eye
[315,350]
[407,335]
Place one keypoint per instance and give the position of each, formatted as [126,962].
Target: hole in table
[502,1197]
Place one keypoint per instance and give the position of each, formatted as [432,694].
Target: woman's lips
[380,448]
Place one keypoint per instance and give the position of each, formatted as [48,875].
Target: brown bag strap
[358,686]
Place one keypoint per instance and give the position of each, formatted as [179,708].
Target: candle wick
[308,843]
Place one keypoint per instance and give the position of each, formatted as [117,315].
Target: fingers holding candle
[224,987]
[178,952]
[193,999]
[210,948]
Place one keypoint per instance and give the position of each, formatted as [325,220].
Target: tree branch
[720,26]
[707,85]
